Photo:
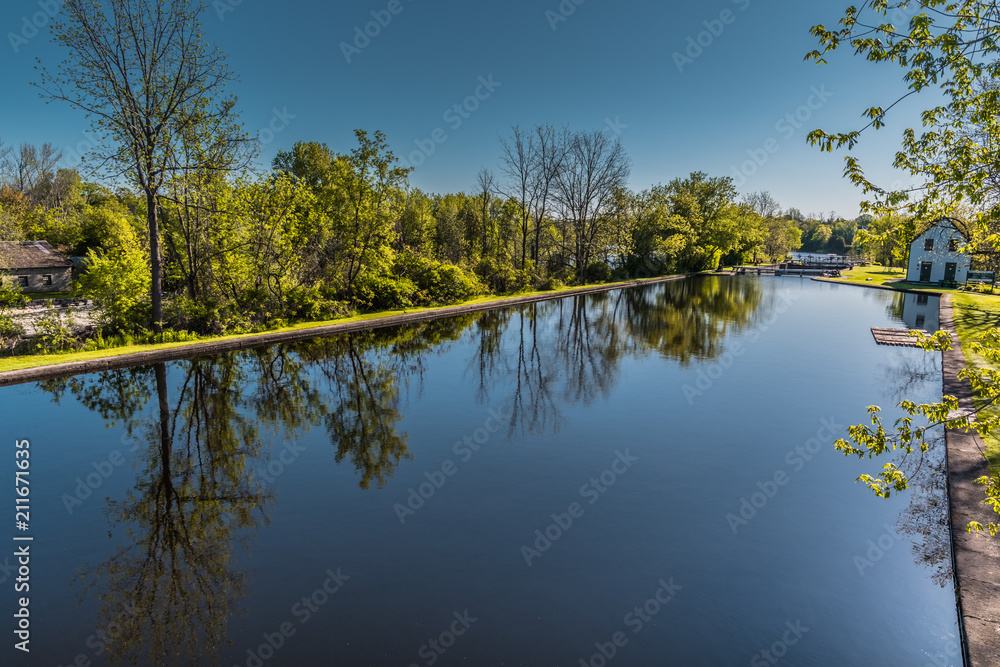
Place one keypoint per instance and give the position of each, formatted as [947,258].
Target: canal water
[640,477]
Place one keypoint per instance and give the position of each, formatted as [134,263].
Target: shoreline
[975,558]
[113,361]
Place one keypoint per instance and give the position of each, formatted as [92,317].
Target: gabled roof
[940,222]
[31,255]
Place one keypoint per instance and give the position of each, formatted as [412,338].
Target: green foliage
[313,304]
[381,292]
[203,316]
[599,272]
[873,439]
[949,46]
[118,280]
[501,277]
[10,333]
[54,333]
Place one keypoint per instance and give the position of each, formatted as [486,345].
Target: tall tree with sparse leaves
[147,78]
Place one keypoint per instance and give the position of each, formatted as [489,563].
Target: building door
[949,272]
[925,271]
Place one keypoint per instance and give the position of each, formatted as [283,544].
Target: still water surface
[647,474]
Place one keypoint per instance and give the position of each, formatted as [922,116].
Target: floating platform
[896,337]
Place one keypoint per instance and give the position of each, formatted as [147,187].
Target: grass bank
[25,362]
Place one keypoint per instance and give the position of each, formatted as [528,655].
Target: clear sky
[688,85]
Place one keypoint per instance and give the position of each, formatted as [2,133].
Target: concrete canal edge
[976,557]
[263,340]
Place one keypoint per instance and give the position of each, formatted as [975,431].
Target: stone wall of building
[54,279]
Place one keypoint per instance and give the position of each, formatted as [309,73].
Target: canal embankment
[110,359]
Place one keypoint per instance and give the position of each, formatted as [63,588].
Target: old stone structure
[35,266]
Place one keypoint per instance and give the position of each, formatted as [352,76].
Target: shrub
[550,283]
[54,333]
[384,292]
[10,333]
[181,313]
[313,304]
[436,282]
[502,278]
[118,281]
[598,272]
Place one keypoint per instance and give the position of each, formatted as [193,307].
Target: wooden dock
[896,337]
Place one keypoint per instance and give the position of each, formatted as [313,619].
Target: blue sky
[634,67]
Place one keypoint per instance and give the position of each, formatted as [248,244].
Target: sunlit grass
[975,314]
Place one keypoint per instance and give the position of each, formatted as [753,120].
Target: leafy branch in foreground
[874,440]
[950,45]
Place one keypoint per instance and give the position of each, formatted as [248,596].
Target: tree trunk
[156,287]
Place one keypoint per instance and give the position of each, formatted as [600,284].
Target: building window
[920,321]
[22,281]
[953,245]
[47,280]
[929,245]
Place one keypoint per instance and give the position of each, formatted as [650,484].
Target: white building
[934,256]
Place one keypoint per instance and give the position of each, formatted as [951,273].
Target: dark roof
[31,255]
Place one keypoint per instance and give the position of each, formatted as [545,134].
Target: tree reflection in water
[926,518]
[168,591]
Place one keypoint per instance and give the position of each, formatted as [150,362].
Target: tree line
[192,237]
[323,234]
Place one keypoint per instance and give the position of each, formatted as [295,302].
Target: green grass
[878,275]
[975,314]
[37,361]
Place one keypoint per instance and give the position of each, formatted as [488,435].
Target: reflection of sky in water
[256,475]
